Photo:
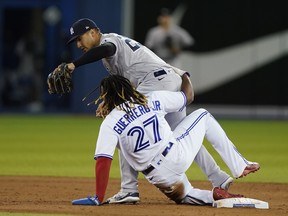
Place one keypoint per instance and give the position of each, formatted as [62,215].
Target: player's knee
[202,110]
[175,192]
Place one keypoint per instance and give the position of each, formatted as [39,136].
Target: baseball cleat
[122,197]
[251,168]
[90,200]
[226,184]
[219,193]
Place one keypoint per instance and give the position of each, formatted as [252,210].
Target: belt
[159,73]
[164,153]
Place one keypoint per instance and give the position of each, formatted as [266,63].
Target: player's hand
[71,67]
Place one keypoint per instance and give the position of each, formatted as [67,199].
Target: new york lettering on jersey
[135,113]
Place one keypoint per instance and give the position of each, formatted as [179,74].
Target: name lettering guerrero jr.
[135,113]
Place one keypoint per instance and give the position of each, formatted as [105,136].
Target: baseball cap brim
[73,39]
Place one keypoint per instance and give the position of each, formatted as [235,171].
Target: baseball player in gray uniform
[146,71]
[136,124]
[167,39]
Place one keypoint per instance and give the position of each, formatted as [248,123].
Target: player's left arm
[95,54]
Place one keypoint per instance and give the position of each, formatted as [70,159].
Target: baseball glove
[60,80]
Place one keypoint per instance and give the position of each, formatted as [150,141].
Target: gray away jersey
[131,60]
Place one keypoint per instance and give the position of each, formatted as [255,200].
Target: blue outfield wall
[106,14]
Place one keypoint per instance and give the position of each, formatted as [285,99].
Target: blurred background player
[168,39]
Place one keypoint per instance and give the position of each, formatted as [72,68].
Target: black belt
[159,73]
[164,153]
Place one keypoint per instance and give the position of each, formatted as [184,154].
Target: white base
[240,203]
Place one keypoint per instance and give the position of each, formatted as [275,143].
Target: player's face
[164,20]
[86,41]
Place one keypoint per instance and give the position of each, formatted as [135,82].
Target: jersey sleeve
[95,54]
[111,40]
[169,101]
[106,142]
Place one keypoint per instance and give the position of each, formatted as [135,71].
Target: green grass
[55,145]
[48,145]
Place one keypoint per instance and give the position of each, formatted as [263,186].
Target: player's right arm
[102,170]
[187,88]
[95,54]
[174,101]
[103,155]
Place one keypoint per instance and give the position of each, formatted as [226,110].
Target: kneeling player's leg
[217,137]
[204,160]
[182,192]
[129,184]
[208,165]
[129,177]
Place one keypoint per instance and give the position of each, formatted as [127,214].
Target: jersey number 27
[151,125]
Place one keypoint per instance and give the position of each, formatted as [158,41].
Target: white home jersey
[144,131]
[131,60]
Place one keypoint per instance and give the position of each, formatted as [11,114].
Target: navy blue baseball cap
[165,12]
[80,27]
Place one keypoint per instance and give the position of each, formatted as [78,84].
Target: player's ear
[91,31]
[94,31]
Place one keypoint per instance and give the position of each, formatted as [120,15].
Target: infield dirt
[53,195]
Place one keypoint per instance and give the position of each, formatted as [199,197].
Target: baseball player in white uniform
[136,124]
[146,71]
